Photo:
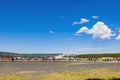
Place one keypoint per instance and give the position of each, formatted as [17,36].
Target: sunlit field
[59,71]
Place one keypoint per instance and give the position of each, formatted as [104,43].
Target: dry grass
[91,74]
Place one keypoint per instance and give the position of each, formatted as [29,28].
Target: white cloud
[95,17]
[118,37]
[83,29]
[99,31]
[51,32]
[83,20]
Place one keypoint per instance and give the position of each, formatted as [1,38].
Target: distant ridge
[40,54]
[98,55]
[10,54]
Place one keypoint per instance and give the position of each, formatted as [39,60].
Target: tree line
[97,55]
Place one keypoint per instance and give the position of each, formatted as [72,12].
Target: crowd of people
[103,59]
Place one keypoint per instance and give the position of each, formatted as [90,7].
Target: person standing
[12,59]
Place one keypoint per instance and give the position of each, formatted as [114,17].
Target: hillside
[98,55]
[40,54]
[10,54]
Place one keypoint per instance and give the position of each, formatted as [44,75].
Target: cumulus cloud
[95,17]
[83,29]
[118,37]
[83,20]
[51,32]
[99,31]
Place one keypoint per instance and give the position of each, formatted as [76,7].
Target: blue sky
[67,26]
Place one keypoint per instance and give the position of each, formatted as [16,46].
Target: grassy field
[55,71]
[93,74]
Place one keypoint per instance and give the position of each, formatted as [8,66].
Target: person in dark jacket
[12,59]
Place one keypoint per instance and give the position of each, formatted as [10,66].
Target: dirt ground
[53,66]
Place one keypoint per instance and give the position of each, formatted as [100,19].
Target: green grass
[93,74]
[116,55]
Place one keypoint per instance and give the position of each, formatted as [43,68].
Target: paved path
[53,66]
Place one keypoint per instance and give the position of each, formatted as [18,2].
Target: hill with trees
[97,55]
[10,54]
